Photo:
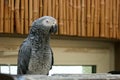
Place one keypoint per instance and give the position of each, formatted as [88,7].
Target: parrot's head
[45,24]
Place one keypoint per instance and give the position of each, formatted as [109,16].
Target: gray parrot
[35,54]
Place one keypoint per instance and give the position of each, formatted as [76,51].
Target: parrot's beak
[54,28]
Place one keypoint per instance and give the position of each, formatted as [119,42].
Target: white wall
[66,52]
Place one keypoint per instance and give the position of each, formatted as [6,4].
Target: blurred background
[87,41]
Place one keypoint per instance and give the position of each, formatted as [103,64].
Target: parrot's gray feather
[24,57]
[35,54]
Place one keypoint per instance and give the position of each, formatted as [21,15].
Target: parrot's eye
[47,21]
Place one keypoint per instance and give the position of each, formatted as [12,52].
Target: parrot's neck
[39,37]
[39,40]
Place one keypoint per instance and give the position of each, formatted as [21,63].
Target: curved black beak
[54,29]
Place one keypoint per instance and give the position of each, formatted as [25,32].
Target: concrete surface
[71,77]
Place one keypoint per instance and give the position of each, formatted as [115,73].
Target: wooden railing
[86,18]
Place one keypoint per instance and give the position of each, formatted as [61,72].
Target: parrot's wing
[24,57]
[52,59]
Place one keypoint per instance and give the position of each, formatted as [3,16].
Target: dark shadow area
[114,72]
[6,77]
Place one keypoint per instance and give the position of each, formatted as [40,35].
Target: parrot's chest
[40,61]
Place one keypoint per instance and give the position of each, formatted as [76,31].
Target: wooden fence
[86,18]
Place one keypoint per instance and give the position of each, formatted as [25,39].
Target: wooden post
[74,17]
[53,8]
[17,16]
[79,18]
[88,18]
[38,9]
[41,8]
[98,17]
[45,7]
[92,17]
[30,12]
[49,8]
[114,18]
[117,22]
[35,9]
[56,12]
[107,19]
[22,17]
[1,15]
[68,18]
[83,18]
[9,15]
[71,17]
[102,28]
[26,17]
[12,17]
[111,18]
[64,18]
[95,20]
[6,17]
[61,16]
